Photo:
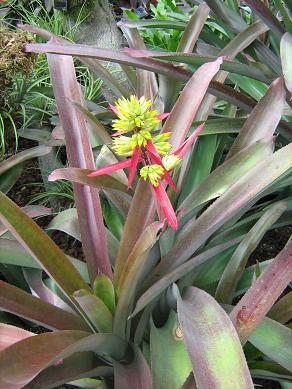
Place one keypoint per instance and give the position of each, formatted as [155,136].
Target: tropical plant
[157,302]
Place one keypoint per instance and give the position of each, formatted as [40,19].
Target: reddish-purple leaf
[11,334]
[79,154]
[267,16]
[263,120]
[136,375]
[137,220]
[23,304]
[71,369]
[261,296]
[22,361]
[184,111]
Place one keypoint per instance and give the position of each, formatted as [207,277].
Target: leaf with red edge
[263,293]
[11,334]
[212,343]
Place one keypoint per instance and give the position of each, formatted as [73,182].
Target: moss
[81,10]
[13,59]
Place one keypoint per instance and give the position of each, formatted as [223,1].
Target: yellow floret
[153,173]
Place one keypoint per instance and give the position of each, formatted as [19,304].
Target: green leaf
[40,246]
[12,253]
[275,341]
[104,289]
[227,174]
[212,343]
[95,309]
[200,165]
[286,55]
[23,304]
[235,267]
[170,363]
[197,231]
[164,282]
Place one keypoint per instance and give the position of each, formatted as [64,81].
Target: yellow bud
[153,173]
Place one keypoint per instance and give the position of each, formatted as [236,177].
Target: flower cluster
[135,137]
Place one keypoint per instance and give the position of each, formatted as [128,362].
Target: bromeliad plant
[152,306]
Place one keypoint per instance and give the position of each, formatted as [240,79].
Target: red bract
[165,204]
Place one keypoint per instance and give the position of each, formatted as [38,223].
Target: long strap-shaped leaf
[22,361]
[11,334]
[196,232]
[71,369]
[40,246]
[131,275]
[264,118]
[227,174]
[79,153]
[212,343]
[235,267]
[259,299]
[23,304]
[267,16]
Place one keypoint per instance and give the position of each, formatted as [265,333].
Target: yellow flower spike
[161,143]
[171,161]
[153,173]
[122,146]
[140,139]
[135,114]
